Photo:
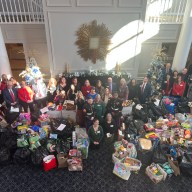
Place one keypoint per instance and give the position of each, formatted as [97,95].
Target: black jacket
[146,92]
[7,97]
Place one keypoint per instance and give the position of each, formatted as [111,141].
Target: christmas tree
[154,73]
[32,71]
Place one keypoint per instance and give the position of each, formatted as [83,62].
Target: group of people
[98,107]
[176,84]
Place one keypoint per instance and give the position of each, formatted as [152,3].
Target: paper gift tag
[157,102]
[108,135]
[61,127]
[138,106]
[14,109]
[44,110]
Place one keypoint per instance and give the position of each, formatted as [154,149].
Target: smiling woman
[93,41]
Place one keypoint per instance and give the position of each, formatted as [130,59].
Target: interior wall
[33,38]
[167,33]
[64,17]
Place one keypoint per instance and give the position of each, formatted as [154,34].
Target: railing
[21,11]
[165,11]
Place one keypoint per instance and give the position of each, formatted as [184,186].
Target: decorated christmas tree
[32,71]
[154,73]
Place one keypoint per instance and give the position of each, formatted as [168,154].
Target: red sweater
[178,89]
[3,86]
[24,94]
[85,90]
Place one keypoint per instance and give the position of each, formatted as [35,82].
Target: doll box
[43,122]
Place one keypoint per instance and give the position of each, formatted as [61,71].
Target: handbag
[62,160]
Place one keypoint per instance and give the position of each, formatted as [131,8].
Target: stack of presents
[163,148]
[45,142]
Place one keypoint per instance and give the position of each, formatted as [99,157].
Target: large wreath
[93,41]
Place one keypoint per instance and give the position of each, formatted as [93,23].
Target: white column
[185,40]
[4,60]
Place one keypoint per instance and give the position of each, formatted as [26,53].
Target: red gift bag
[49,162]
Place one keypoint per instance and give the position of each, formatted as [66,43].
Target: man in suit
[10,95]
[185,75]
[166,70]
[144,91]
[111,85]
[11,99]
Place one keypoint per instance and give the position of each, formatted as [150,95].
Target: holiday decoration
[154,73]
[32,71]
[93,41]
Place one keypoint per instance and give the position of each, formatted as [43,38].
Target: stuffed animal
[173,153]
[34,142]
[187,134]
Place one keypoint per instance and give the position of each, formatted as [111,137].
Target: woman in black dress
[109,127]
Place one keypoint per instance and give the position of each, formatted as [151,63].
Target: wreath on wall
[93,41]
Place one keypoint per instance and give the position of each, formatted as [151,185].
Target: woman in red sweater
[178,87]
[86,88]
[25,97]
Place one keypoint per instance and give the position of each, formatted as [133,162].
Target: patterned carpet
[97,176]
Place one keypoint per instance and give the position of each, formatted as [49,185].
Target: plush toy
[187,134]
[173,153]
[34,142]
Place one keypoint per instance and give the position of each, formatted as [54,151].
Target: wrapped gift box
[43,122]
[161,122]
[74,153]
[22,128]
[25,118]
[75,164]
[83,146]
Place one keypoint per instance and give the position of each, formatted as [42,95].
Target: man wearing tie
[11,99]
[111,85]
[145,90]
